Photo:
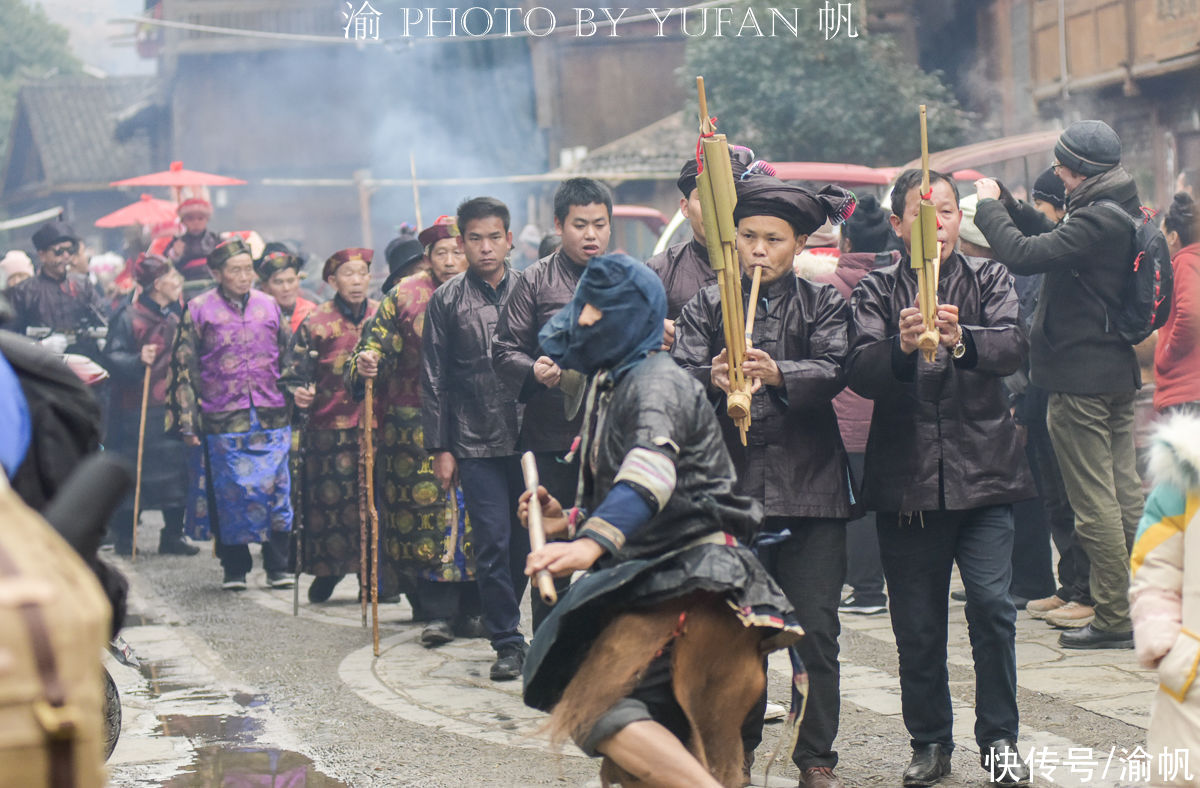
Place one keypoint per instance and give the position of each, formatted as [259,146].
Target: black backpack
[1147,294]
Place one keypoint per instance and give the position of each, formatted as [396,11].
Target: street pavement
[235,691]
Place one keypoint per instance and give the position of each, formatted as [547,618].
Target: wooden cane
[537,533]
[372,513]
[367,456]
[137,484]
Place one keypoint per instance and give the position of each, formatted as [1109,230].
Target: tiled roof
[660,147]
[73,120]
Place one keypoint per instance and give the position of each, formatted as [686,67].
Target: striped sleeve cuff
[651,471]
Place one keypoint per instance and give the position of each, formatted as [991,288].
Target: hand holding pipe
[537,533]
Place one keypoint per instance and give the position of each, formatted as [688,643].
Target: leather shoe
[1003,763]
[176,545]
[322,588]
[436,633]
[820,777]
[1090,637]
[930,763]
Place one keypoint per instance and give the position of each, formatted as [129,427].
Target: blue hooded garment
[634,305]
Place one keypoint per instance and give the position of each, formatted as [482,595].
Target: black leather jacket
[544,288]
[794,461]
[657,407]
[684,271]
[464,409]
[947,423]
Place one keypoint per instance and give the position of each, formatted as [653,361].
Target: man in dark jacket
[57,299]
[1090,371]
[583,216]
[470,421]
[793,461]
[943,468]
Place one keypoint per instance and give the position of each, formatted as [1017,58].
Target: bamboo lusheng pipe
[537,532]
[717,200]
[926,253]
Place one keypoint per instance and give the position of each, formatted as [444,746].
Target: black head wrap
[764,195]
[218,257]
[275,258]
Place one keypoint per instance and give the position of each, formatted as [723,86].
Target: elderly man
[415,514]
[943,467]
[57,301]
[1091,372]
[224,397]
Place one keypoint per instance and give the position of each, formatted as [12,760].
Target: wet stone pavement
[234,691]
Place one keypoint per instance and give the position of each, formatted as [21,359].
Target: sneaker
[234,583]
[280,580]
[774,712]
[436,633]
[1038,608]
[178,545]
[509,663]
[1070,616]
[851,604]
[322,588]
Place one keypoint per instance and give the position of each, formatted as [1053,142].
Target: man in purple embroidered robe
[224,396]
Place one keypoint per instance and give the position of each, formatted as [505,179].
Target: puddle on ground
[225,754]
[228,767]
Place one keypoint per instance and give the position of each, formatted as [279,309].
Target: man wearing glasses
[58,306]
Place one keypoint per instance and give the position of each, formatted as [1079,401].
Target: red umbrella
[147,211]
[178,176]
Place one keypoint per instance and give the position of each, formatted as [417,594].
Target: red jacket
[1177,355]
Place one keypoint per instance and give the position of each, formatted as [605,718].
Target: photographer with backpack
[1100,292]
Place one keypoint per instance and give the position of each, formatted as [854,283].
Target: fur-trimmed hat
[194,205]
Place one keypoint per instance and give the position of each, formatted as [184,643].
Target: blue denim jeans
[918,554]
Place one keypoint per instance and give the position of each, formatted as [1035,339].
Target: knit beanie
[1089,147]
[1049,188]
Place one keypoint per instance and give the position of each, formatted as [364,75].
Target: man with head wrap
[664,534]
[223,397]
[794,463]
[142,335]
[279,277]
[943,468]
[684,268]
[312,378]
[412,507]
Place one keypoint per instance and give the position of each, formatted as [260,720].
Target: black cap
[402,253]
[1049,188]
[1089,147]
[51,233]
[868,228]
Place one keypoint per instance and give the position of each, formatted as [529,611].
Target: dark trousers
[864,571]
[809,566]
[560,480]
[491,487]
[236,559]
[918,553]
[121,524]
[1073,565]
[1032,577]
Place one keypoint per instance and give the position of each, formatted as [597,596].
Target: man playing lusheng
[943,467]
[330,483]
[794,463]
[661,644]
[224,397]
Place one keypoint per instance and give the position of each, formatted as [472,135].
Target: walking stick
[369,449]
[137,484]
[537,534]
[298,487]
[368,461]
